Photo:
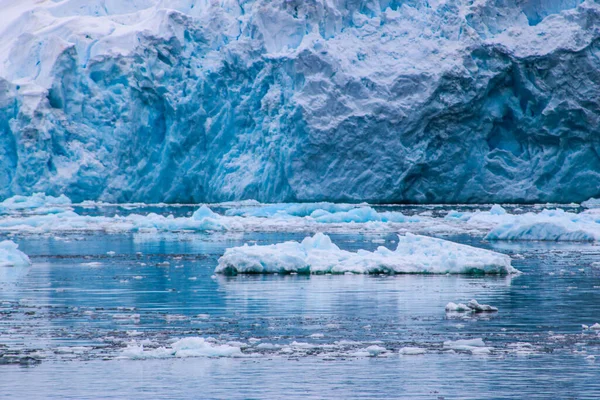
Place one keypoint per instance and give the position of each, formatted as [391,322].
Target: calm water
[65,322]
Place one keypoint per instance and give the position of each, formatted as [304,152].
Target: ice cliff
[301,100]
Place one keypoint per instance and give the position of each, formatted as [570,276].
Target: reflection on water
[86,297]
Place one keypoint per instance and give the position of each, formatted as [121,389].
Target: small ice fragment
[475,306]
[460,307]
[111,253]
[375,350]
[411,351]
[595,327]
[583,326]
[163,264]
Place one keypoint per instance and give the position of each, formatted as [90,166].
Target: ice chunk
[475,306]
[591,203]
[555,225]
[182,348]
[291,209]
[36,200]
[11,256]
[460,307]
[475,346]
[497,210]
[414,254]
[412,351]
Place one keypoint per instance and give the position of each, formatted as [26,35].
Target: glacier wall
[301,100]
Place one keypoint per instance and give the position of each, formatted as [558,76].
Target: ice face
[368,100]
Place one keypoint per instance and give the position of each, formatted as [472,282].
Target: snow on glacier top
[423,38]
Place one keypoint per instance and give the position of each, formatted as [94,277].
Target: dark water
[65,324]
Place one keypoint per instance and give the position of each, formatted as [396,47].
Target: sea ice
[182,348]
[475,346]
[412,351]
[414,254]
[476,307]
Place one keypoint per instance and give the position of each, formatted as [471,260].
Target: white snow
[414,254]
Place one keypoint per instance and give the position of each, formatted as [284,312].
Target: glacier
[300,100]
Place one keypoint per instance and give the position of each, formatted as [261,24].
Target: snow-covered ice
[414,254]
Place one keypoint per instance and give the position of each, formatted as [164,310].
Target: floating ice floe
[547,225]
[11,256]
[12,261]
[49,204]
[471,306]
[414,254]
[183,348]
[591,203]
[412,351]
[475,346]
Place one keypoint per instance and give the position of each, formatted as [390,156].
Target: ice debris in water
[11,256]
[548,225]
[182,348]
[460,307]
[35,201]
[412,351]
[591,203]
[475,306]
[471,306]
[474,346]
[414,254]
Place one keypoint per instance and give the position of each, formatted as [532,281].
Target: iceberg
[11,256]
[35,201]
[384,101]
[414,254]
[12,262]
[553,225]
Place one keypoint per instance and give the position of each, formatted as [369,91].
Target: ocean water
[67,322]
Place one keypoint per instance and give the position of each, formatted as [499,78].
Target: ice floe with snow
[414,254]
